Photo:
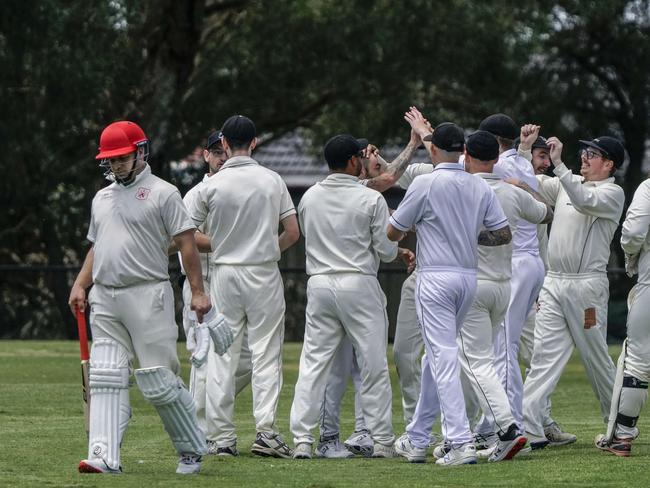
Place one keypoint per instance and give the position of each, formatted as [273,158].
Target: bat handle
[83,336]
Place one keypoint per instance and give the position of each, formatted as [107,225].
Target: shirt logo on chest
[142,193]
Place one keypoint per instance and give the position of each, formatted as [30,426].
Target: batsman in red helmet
[133,220]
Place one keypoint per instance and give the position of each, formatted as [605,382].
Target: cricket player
[344,227]
[132,304]
[448,209]
[631,386]
[573,300]
[203,371]
[527,265]
[243,207]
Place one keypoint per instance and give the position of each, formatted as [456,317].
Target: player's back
[344,224]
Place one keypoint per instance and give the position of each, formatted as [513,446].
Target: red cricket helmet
[120,138]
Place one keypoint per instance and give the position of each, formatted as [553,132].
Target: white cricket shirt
[242,205]
[131,228]
[586,217]
[448,208]
[413,170]
[512,165]
[344,224]
[635,238]
[494,262]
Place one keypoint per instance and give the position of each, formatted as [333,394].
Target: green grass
[42,438]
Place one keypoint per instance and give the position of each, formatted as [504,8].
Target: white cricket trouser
[526,281]
[407,348]
[443,298]
[202,377]
[559,326]
[637,359]
[340,304]
[141,318]
[345,365]
[251,298]
[475,341]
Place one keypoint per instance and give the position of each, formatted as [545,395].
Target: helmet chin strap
[130,177]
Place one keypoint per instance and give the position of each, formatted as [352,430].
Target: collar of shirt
[206,177]
[239,161]
[456,166]
[488,176]
[340,179]
[508,154]
[138,178]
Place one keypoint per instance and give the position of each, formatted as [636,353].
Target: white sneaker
[189,464]
[271,445]
[360,442]
[382,451]
[459,455]
[332,449]
[441,450]
[405,448]
[302,451]
[97,466]
[557,437]
[484,441]
[506,450]
[485,453]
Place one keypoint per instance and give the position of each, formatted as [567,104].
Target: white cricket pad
[166,392]
[109,406]
[616,393]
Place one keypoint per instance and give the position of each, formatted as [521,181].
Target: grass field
[42,439]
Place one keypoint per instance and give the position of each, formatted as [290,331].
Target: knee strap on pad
[109,400]
[166,392]
[631,401]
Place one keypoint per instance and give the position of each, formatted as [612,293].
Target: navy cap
[500,125]
[611,148]
[213,139]
[448,137]
[239,128]
[342,147]
[483,146]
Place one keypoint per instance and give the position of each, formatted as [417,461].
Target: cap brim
[428,138]
[595,146]
[363,143]
[114,153]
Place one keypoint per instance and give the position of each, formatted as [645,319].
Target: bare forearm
[85,276]
[401,162]
[497,237]
[285,241]
[191,264]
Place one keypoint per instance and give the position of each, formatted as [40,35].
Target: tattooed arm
[497,237]
[394,171]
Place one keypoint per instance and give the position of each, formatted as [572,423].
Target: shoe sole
[365,451]
[472,461]
[518,445]
[86,468]
[409,457]
[268,452]
[343,456]
[561,443]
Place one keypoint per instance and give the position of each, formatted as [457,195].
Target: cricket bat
[85,366]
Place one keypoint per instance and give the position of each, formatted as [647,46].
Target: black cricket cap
[540,143]
[448,137]
[611,148]
[342,147]
[500,125]
[482,145]
[239,128]
[213,139]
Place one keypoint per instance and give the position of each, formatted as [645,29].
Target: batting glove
[189,322]
[631,264]
[202,337]
[220,331]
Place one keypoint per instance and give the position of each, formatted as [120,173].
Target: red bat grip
[83,337]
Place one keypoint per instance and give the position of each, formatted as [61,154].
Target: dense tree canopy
[180,67]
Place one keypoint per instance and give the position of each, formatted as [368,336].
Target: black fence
[34,299]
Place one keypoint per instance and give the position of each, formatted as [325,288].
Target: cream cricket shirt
[448,208]
[586,217]
[635,238]
[242,206]
[413,170]
[131,228]
[344,224]
[512,165]
[494,263]
[188,200]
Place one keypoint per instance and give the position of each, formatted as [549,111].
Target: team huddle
[490,287]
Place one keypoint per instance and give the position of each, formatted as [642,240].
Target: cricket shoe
[556,437]
[227,451]
[405,448]
[383,451]
[456,456]
[485,453]
[189,464]
[441,450]
[507,445]
[332,449]
[360,442]
[302,451]
[617,446]
[97,466]
[268,444]
[483,441]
